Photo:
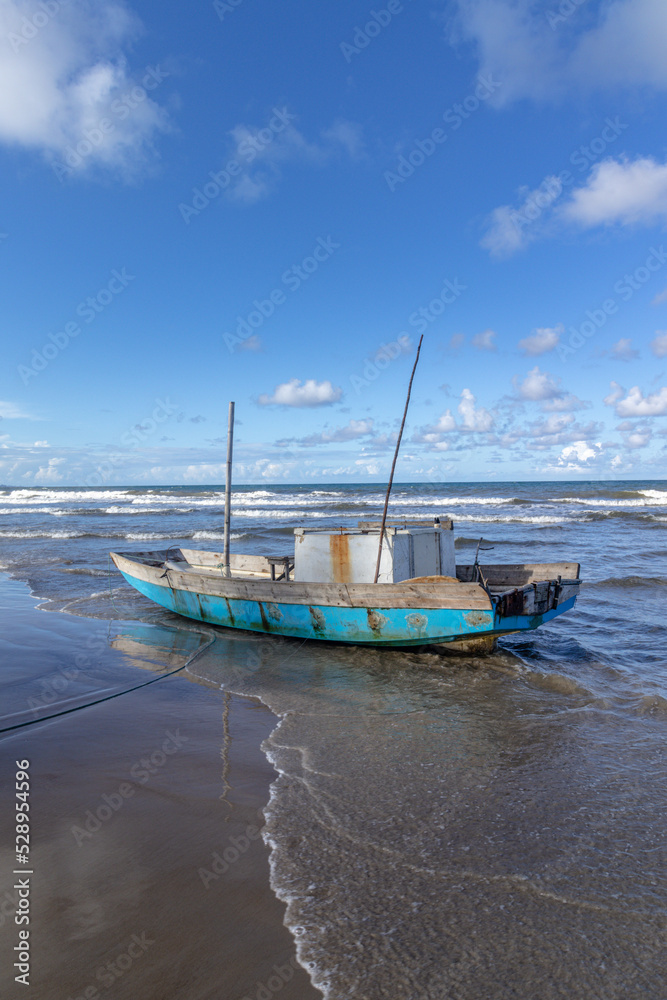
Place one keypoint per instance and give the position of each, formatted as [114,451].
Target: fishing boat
[326,589]
[386,583]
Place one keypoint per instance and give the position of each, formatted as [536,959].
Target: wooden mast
[393,464]
[228,490]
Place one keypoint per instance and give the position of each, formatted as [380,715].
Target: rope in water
[110,590]
[109,697]
[117,694]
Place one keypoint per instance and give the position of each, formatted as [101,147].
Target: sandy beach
[150,876]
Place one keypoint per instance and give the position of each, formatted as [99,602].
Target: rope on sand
[109,697]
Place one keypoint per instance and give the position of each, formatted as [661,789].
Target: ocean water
[440,826]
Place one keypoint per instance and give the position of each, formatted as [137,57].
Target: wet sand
[150,879]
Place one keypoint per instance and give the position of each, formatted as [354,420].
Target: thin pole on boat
[393,464]
[228,489]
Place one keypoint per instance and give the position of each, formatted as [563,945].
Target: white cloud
[247,190]
[541,387]
[370,468]
[474,418]
[557,429]
[533,49]
[564,403]
[635,403]
[542,340]
[634,436]
[504,235]
[659,298]
[511,229]
[624,351]
[620,191]
[576,456]
[60,80]
[253,344]
[659,344]
[11,411]
[485,341]
[538,386]
[308,393]
[615,394]
[445,424]
[347,136]
[261,150]
[48,473]
[352,431]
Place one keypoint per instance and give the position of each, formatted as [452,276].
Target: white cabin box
[350,555]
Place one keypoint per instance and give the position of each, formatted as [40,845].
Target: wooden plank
[353,595]
[445,523]
[396,595]
[238,561]
[519,574]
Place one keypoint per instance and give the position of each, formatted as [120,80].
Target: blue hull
[368,626]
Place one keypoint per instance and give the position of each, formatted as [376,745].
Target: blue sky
[271,202]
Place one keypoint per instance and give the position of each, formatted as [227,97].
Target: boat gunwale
[439,594]
[402,594]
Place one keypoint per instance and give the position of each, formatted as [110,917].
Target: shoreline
[151,877]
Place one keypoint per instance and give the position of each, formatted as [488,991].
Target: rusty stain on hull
[319,623]
[340,558]
[375,620]
[477,618]
[229,610]
[416,620]
[265,622]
